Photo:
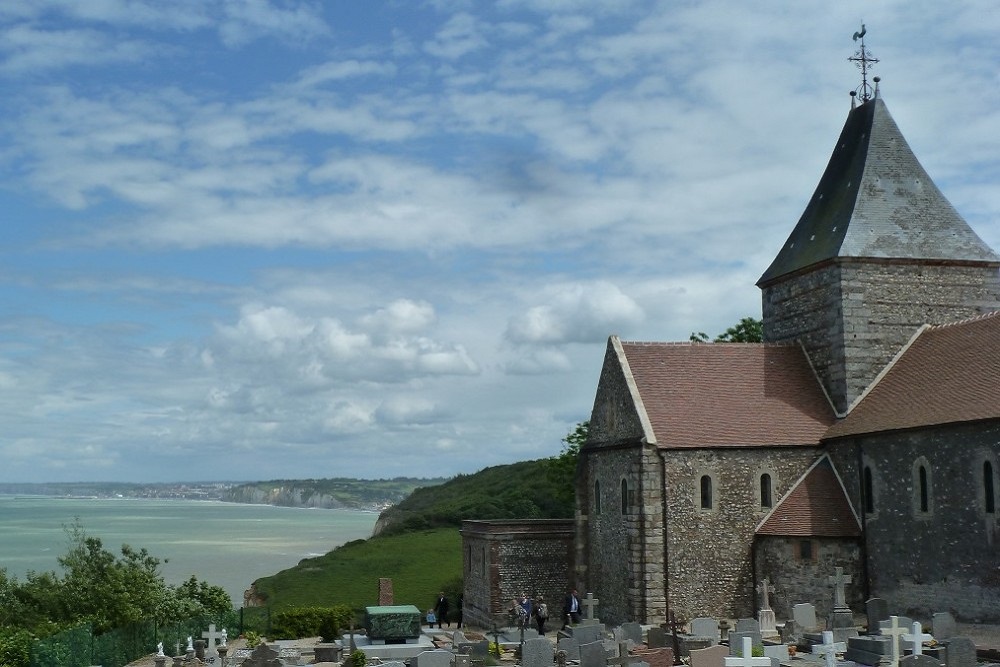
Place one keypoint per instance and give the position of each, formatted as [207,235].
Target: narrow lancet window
[624,497]
[924,491]
[597,496]
[765,490]
[989,493]
[706,492]
[869,491]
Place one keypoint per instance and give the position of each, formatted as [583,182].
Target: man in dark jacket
[571,608]
[441,610]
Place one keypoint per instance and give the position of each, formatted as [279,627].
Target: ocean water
[225,544]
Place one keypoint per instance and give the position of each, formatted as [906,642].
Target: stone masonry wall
[853,316]
[797,579]
[947,558]
[503,559]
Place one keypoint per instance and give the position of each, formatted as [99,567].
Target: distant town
[178,490]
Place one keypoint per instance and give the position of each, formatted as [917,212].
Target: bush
[15,648]
[311,622]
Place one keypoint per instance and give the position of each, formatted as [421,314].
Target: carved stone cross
[917,637]
[747,659]
[838,580]
[829,648]
[894,631]
[590,602]
[765,594]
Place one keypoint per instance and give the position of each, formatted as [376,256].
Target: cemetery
[398,636]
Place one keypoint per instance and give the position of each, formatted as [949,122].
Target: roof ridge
[967,320]
[691,343]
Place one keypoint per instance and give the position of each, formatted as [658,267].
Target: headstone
[632,632]
[589,602]
[961,652]
[829,649]
[745,657]
[199,649]
[777,652]
[537,652]
[747,625]
[654,657]
[690,643]
[623,659]
[919,661]
[327,652]
[656,637]
[878,611]
[211,636]
[460,660]
[706,627]
[262,656]
[805,615]
[839,580]
[736,641]
[916,638]
[943,626]
[894,631]
[435,658]
[570,646]
[593,655]
[869,649]
[585,634]
[791,632]
[713,656]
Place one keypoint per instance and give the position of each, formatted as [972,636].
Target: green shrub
[358,658]
[15,648]
[253,639]
[311,622]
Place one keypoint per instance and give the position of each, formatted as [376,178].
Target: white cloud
[575,313]
[461,35]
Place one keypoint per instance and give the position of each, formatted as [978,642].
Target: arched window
[597,496]
[706,492]
[624,497]
[869,491]
[925,504]
[989,493]
[765,490]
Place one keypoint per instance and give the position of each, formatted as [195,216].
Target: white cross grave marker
[895,632]
[747,659]
[590,602]
[829,648]
[211,635]
[917,637]
[839,579]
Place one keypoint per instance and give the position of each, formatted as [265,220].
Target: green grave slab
[392,623]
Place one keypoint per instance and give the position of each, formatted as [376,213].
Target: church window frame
[805,549]
[987,472]
[766,489]
[597,497]
[625,498]
[868,488]
[706,492]
[923,489]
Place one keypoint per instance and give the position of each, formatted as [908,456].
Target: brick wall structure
[503,559]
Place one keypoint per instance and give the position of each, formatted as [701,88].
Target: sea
[226,544]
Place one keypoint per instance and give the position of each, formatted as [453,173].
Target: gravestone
[919,660]
[829,649]
[435,658]
[961,652]
[461,660]
[791,632]
[688,643]
[654,657]
[656,637]
[327,652]
[211,637]
[395,623]
[706,627]
[915,638]
[765,615]
[943,626]
[199,649]
[777,652]
[877,610]
[593,655]
[894,630]
[585,634]
[736,641]
[869,649]
[745,657]
[570,646]
[713,656]
[537,652]
[263,656]
[841,618]
[632,632]
[589,603]
[805,615]
[747,625]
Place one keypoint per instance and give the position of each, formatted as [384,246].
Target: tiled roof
[728,394]
[875,200]
[816,506]
[948,374]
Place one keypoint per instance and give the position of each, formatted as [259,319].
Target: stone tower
[877,253]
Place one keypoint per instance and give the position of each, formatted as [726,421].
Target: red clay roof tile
[816,506]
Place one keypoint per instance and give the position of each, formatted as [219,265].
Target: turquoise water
[225,544]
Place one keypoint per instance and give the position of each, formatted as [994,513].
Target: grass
[420,563]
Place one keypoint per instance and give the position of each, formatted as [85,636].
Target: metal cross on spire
[864,60]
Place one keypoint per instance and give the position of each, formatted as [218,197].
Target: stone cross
[765,592]
[838,581]
[211,635]
[894,631]
[623,659]
[590,602]
[917,637]
[747,659]
[829,648]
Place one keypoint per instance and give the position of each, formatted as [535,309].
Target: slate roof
[876,201]
[728,394]
[947,374]
[816,506]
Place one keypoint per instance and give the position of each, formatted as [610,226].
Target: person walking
[541,614]
[571,609]
[441,610]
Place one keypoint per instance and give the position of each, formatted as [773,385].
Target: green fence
[80,647]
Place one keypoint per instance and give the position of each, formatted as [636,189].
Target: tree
[561,469]
[747,330]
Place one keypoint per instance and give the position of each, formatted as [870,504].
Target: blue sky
[248,239]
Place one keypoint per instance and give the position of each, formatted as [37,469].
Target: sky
[253,239]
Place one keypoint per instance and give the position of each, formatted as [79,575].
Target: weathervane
[863,59]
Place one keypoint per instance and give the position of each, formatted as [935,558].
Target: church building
[863,433]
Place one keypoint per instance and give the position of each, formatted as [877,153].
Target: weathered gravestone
[713,656]
[632,632]
[263,656]
[829,649]
[537,652]
[915,638]
[869,649]
[961,652]
[706,627]
[589,615]
[211,637]
[654,657]
[747,625]
[593,655]
[776,652]
[791,632]
[570,646]
[765,615]
[744,657]
[435,658]
[943,626]
[918,660]
[841,618]
[894,629]
[736,641]
[461,660]
[656,637]
[805,615]
[586,634]
[877,610]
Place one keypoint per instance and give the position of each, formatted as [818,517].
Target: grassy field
[420,563]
